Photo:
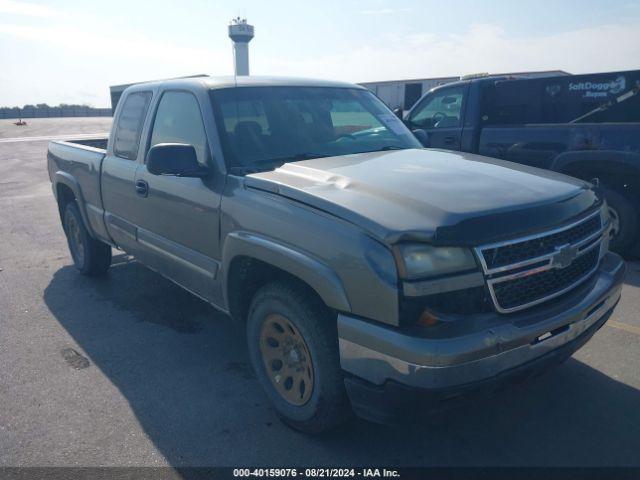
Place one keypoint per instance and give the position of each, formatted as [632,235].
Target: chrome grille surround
[542,263]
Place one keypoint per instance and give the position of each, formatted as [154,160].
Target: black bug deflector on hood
[431,195]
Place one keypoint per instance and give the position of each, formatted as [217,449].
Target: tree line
[43,110]
[46,106]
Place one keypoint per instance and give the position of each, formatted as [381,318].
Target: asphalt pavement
[132,370]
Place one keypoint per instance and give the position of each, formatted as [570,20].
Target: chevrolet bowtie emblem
[563,256]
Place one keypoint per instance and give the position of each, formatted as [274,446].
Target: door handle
[449,140]
[142,188]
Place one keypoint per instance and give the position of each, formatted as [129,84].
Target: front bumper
[382,363]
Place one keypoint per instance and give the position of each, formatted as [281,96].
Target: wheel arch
[607,165]
[250,261]
[67,189]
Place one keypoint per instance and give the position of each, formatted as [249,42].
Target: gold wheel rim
[286,359]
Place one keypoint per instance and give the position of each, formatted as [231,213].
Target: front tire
[293,345]
[624,221]
[90,256]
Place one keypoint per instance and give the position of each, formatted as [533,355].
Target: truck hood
[431,195]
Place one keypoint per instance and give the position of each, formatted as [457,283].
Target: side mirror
[398,112]
[422,136]
[177,159]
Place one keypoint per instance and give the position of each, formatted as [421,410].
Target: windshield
[262,127]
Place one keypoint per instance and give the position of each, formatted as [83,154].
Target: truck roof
[245,81]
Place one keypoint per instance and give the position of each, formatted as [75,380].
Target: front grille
[537,247]
[525,290]
[524,272]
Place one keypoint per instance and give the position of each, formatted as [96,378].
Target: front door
[177,217]
[440,115]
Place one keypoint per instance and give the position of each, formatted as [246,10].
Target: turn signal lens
[427,319]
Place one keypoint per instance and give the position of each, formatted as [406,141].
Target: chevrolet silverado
[372,274]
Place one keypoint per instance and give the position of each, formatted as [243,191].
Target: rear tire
[293,342]
[90,256]
[624,218]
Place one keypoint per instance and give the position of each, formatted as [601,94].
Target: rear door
[440,114]
[119,169]
[178,218]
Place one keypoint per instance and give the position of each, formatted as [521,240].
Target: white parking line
[77,136]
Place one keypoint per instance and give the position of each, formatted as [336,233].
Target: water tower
[241,34]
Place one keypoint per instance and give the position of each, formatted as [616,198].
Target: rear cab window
[129,127]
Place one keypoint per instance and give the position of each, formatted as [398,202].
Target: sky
[70,51]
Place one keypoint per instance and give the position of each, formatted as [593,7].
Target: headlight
[420,260]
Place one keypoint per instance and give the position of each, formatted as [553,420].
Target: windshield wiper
[386,148]
[295,157]
[249,169]
[273,163]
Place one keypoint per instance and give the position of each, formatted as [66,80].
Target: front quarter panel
[352,272]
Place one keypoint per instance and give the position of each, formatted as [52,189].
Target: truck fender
[310,270]
[611,162]
[68,180]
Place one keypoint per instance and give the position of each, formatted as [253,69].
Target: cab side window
[179,120]
[129,127]
[442,110]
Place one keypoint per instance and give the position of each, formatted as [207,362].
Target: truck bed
[99,143]
[78,165]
